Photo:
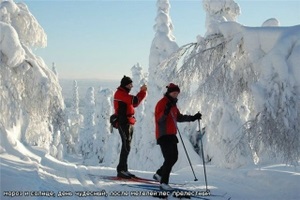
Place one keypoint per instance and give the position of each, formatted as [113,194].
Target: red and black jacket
[165,125]
[124,105]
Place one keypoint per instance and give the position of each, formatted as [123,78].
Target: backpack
[114,121]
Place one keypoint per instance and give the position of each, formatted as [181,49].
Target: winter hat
[125,81]
[172,88]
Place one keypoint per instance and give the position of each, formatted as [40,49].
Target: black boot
[123,174]
[130,174]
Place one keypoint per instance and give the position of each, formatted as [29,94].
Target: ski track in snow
[41,172]
[26,168]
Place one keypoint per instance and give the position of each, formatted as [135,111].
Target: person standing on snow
[166,117]
[124,105]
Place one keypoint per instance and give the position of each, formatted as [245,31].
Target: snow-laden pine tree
[163,45]
[243,81]
[218,12]
[31,102]
[102,113]
[55,151]
[87,134]
[138,78]
[75,100]
[75,118]
[54,69]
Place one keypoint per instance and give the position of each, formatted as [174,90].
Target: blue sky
[104,39]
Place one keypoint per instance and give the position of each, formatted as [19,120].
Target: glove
[197,116]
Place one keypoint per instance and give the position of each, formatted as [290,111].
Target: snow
[271,22]
[43,173]
[87,134]
[244,80]
[259,42]
[241,79]
[31,100]
[29,30]
[12,51]
[219,11]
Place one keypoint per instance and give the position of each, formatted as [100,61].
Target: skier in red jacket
[124,105]
[166,117]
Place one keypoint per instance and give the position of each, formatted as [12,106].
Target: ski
[133,179]
[145,179]
[154,187]
[157,182]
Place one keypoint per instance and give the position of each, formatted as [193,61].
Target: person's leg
[125,149]
[170,154]
[126,136]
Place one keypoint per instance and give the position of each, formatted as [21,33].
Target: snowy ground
[35,171]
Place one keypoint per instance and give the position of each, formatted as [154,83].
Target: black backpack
[114,121]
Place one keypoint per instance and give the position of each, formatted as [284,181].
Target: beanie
[172,88]
[125,81]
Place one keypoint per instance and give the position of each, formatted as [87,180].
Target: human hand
[144,88]
[197,116]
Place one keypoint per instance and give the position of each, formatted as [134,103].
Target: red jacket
[166,124]
[124,105]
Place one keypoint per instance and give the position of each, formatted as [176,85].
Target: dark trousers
[170,154]
[125,132]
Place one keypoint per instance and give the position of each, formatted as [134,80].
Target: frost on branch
[244,80]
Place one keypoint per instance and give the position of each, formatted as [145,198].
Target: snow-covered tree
[271,22]
[56,149]
[54,69]
[218,12]
[138,79]
[25,24]
[102,115]
[75,99]
[75,119]
[31,97]
[242,80]
[87,134]
[162,47]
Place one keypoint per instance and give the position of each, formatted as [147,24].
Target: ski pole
[202,152]
[184,147]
